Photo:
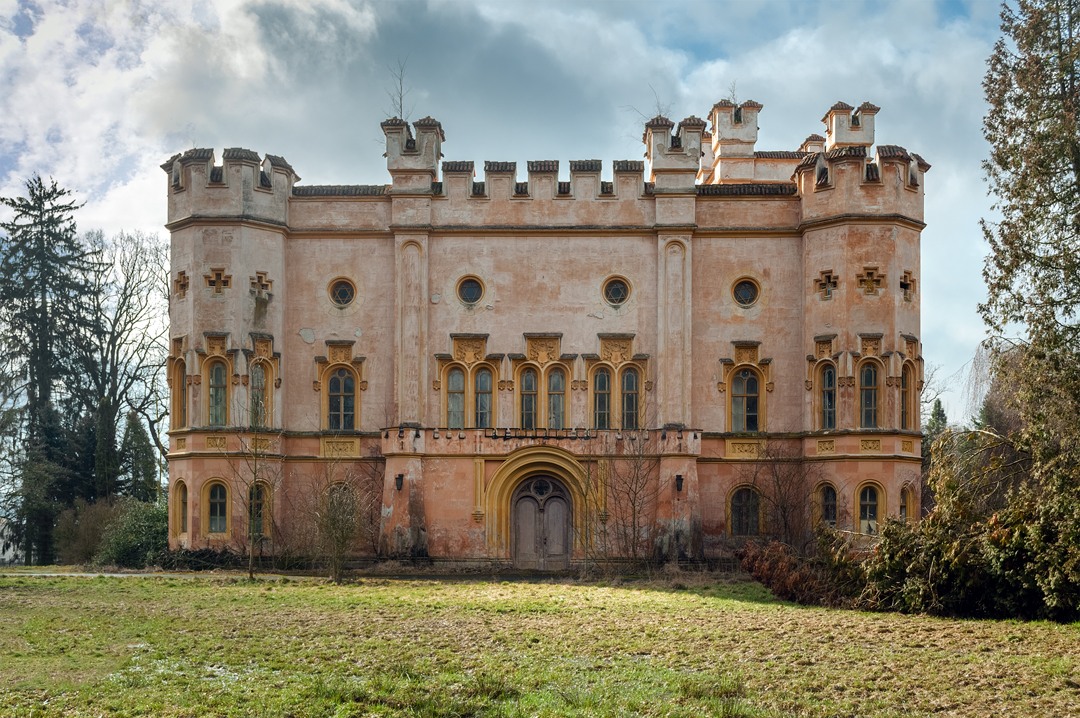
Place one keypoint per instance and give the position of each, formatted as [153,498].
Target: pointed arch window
[218,395]
[630,399]
[744,401]
[182,504]
[868,396]
[257,395]
[219,509]
[906,507]
[745,513]
[256,511]
[179,409]
[483,399]
[868,510]
[455,399]
[828,505]
[529,399]
[828,397]
[556,398]
[602,399]
[905,398]
[341,404]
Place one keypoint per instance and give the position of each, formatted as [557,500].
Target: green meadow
[690,645]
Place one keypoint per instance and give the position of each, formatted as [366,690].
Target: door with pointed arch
[541,521]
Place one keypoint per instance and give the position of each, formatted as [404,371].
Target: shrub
[788,575]
[80,528]
[202,559]
[137,536]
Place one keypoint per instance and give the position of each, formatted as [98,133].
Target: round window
[745,292]
[616,291]
[470,290]
[342,292]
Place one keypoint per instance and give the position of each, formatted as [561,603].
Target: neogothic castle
[527,370]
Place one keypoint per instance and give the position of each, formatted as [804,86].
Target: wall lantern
[400,479]
[678,483]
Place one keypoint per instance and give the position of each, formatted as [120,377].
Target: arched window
[219,509]
[341,405]
[181,507]
[906,512]
[257,394]
[828,505]
[179,410]
[602,399]
[455,399]
[630,399]
[219,390]
[483,399]
[528,399]
[868,396]
[744,401]
[868,510]
[905,398]
[256,511]
[745,513]
[556,399]
[828,397]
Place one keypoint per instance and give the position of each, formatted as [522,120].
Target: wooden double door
[541,525]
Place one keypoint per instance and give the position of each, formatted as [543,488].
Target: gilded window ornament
[871,281]
[218,280]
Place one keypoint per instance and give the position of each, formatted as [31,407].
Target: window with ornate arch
[341,399]
[181,508]
[745,512]
[907,505]
[827,504]
[470,397]
[828,396]
[631,393]
[259,395]
[217,510]
[868,509]
[869,391]
[906,394]
[217,404]
[258,503]
[556,398]
[745,396]
[179,395]
[602,398]
[529,398]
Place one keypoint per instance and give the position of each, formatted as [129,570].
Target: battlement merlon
[413,162]
[674,159]
[244,185]
[847,126]
[734,128]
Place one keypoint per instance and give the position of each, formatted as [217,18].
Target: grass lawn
[703,646]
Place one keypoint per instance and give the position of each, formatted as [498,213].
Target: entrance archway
[541,525]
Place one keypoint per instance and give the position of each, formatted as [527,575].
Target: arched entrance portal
[541,525]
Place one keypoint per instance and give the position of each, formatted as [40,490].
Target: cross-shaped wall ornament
[259,283]
[907,286]
[218,280]
[870,281]
[827,284]
[180,286]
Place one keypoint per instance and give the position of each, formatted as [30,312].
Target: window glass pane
[528,399]
[183,508]
[255,510]
[556,396]
[630,399]
[828,505]
[868,396]
[218,509]
[258,395]
[180,394]
[455,399]
[218,391]
[744,401]
[342,401]
[602,399]
[905,397]
[744,513]
[868,506]
[483,399]
[828,398]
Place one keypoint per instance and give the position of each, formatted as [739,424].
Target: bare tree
[633,493]
[399,90]
[784,482]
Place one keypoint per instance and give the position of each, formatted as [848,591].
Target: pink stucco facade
[727,306]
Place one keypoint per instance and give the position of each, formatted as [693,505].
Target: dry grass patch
[687,646]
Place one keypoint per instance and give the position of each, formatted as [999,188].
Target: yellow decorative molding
[181,443]
[744,449]
[216,442]
[340,353]
[542,349]
[907,445]
[469,350]
[616,350]
[337,447]
[867,445]
[826,446]
[746,354]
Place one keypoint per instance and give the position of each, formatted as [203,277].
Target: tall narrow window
[905,398]
[828,505]
[905,506]
[745,513]
[868,510]
[342,401]
[602,399]
[868,396]
[179,396]
[181,494]
[630,399]
[556,399]
[483,399]
[455,399]
[218,394]
[744,401]
[219,503]
[256,509]
[257,384]
[828,397]
[528,399]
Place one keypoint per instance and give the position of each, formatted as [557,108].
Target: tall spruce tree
[43,293]
[138,461]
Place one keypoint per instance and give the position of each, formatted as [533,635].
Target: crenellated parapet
[674,159]
[847,126]
[243,185]
[501,182]
[413,160]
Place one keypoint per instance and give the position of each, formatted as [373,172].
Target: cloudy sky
[98,93]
